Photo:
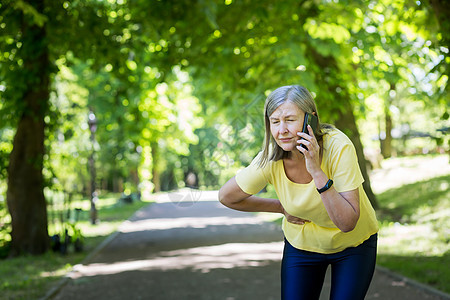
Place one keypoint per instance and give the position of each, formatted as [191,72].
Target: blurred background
[105,104]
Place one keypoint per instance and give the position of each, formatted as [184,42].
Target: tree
[101,34]
[37,33]
[25,180]
[144,59]
[441,10]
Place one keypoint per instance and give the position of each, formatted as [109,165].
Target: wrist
[320,180]
[326,187]
[319,176]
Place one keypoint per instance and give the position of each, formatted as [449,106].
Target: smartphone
[311,120]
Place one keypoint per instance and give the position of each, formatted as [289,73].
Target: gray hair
[301,97]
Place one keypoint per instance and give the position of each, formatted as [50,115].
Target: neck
[297,156]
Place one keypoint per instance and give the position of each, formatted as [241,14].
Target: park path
[188,246]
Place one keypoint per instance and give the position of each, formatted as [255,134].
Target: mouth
[285,140]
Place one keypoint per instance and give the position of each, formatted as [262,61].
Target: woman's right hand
[292,219]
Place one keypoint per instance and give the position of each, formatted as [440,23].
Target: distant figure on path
[328,219]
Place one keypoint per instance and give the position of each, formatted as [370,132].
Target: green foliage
[6,137]
[130,67]
[179,86]
[5,229]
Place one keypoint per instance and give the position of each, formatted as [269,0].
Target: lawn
[414,238]
[30,277]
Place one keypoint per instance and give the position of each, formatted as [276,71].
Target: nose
[283,127]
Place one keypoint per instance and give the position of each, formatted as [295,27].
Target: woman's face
[285,122]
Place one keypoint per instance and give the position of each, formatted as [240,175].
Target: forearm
[254,204]
[232,196]
[344,212]
[340,211]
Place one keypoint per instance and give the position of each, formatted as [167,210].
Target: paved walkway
[191,247]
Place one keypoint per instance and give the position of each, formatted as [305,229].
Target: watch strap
[326,186]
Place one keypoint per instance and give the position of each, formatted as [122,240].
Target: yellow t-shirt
[321,235]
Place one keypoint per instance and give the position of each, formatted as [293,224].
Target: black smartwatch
[326,187]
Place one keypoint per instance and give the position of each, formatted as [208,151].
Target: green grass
[414,238]
[30,277]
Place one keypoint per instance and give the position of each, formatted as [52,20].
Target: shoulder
[256,174]
[261,164]
[335,140]
[341,161]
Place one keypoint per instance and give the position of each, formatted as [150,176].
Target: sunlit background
[107,105]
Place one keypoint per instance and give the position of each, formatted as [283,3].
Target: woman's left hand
[312,155]
[292,219]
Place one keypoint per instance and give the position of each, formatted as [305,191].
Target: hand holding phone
[311,120]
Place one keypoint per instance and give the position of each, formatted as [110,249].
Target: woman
[328,219]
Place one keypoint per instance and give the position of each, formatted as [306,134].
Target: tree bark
[156,174]
[346,121]
[441,10]
[386,145]
[345,118]
[25,196]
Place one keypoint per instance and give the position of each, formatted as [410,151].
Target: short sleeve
[253,178]
[345,171]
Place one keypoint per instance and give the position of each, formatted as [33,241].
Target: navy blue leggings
[303,272]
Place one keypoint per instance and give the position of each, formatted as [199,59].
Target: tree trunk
[92,186]
[386,149]
[156,174]
[346,121]
[441,10]
[386,142]
[25,196]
